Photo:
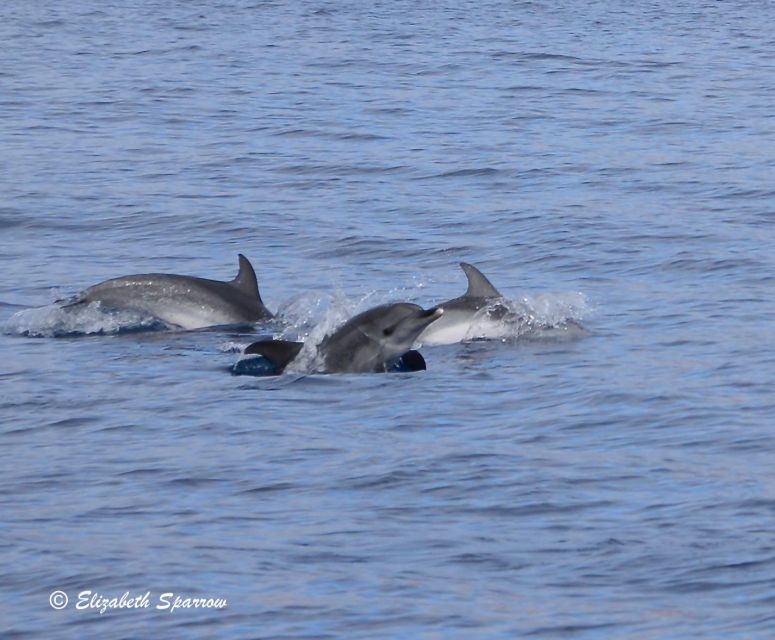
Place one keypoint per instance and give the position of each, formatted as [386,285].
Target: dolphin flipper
[279,352]
[411,361]
[478,285]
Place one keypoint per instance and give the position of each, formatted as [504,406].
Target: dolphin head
[374,339]
[396,326]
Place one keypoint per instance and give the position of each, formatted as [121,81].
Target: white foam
[54,320]
[553,309]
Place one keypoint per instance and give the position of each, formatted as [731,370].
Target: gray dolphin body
[464,317]
[183,301]
[371,342]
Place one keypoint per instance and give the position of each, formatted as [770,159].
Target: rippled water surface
[602,162]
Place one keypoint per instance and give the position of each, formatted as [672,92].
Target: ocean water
[607,163]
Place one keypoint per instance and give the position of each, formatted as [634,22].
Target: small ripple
[140,472]
[10,217]
[522,55]
[296,133]
[79,421]
[113,512]
[327,557]
[359,137]
[463,173]
[487,561]
[269,488]
[161,52]
[570,630]
[537,508]
[338,170]
[194,482]
[704,586]
[49,24]
[386,480]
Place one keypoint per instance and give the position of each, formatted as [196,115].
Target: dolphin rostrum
[481,305]
[376,340]
[183,301]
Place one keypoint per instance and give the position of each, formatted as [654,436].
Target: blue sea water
[606,162]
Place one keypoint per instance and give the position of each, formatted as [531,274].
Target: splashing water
[548,316]
[309,318]
[55,321]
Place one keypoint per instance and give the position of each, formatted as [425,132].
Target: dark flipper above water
[410,361]
[280,353]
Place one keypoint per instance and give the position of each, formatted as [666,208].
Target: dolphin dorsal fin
[478,285]
[279,352]
[246,279]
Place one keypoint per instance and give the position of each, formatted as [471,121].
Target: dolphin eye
[388,332]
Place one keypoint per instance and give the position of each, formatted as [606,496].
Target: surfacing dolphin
[479,313]
[374,341]
[182,301]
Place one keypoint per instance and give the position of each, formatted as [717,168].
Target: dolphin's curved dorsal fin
[246,279]
[478,285]
[279,352]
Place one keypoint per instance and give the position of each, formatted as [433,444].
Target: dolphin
[182,301]
[374,341]
[482,308]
